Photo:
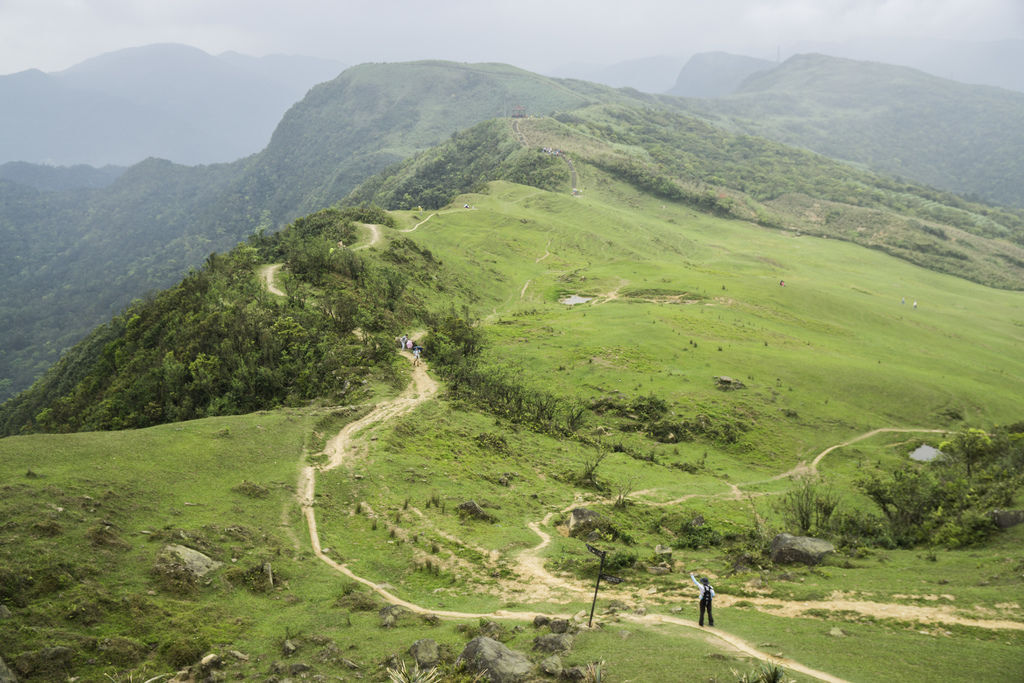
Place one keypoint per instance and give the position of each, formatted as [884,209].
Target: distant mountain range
[167,101]
[899,121]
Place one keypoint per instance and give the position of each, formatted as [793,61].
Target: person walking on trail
[705,594]
[416,351]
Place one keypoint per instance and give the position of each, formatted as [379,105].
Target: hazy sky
[535,34]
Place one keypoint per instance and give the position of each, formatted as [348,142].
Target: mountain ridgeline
[402,136]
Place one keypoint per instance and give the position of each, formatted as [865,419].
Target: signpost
[600,575]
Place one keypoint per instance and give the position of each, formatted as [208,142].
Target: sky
[539,35]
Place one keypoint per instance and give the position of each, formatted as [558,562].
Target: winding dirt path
[375,236]
[268,273]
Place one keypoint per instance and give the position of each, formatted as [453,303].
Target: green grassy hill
[898,121]
[612,404]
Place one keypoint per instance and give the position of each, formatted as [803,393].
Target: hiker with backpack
[705,594]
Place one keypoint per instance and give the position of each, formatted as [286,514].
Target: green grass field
[677,299]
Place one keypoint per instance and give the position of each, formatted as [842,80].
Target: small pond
[575,299]
[925,453]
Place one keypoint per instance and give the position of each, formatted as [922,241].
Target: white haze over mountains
[548,36]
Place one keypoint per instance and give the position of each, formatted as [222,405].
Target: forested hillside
[901,122]
[75,258]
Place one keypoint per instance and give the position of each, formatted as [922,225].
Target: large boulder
[789,549]
[1004,519]
[497,663]
[583,521]
[193,561]
[553,642]
[426,653]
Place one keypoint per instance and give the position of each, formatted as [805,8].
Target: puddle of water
[925,453]
[575,299]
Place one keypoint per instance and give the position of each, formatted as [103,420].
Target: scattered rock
[559,625]
[616,606]
[663,551]
[389,615]
[583,522]
[789,549]
[726,383]
[541,620]
[552,665]
[210,661]
[4,612]
[659,569]
[837,632]
[493,629]
[426,653]
[676,610]
[350,664]
[298,668]
[193,561]
[471,509]
[576,673]
[495,661]
[288,648]
[238,655]
[553,642]
[640,611]
[1005,519]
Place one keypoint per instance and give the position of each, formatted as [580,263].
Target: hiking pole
[598,585]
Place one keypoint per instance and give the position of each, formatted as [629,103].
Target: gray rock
[496,662]
[583,521]
[1005,519]
[659,569]
[541,620]
[552,666]
[194,561]
[4,612]
[389,615]
[426,653]
[576,673]
[288,648]
[663,551]
[210,661]
[6,675]
[553,642]
[559,625]
[471,509]
[789,549]
[726,383]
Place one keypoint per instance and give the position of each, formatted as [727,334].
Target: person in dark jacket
[705,594]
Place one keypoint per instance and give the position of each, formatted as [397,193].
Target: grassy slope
[841,352]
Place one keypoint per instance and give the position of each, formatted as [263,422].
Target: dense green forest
[218,343]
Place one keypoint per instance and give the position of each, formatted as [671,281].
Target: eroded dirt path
[268,273]
[375,236]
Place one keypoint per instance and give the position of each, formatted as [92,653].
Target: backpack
[708,593]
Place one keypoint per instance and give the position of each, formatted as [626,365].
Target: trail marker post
[600,575]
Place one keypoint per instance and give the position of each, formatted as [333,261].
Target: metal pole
[596,586]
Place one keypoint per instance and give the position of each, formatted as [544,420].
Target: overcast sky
[535,34]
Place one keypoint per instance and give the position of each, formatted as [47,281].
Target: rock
[541,620]
[583,522]
[389,615]
[789,549]
[726,383]
[4,612]
[552,666]
[51,663]
[559,625]
[6,675]
[493,629]
[496,662]
[616,606]
[659,569]
[288,648]
[471,509]
[553,642]
[576,673]
[640,611]
[298,668]
[663,551]
[193,561]
[426,653]
[210,661]
[676,610]
[837,632]
[1005,519]
[238,655]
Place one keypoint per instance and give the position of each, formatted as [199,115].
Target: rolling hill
[340,494]
[896,120]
